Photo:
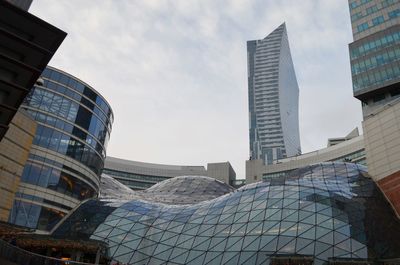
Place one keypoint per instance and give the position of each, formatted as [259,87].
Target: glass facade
[375,52]
[375,61]
[69,148]
[323,212]
[273,98]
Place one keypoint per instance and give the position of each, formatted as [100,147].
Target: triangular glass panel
[321,231]
[116,231]
[271,227]
[201,243]
[197,260]
[245,256]
[287,212]
[161,248]
[113,222]
[213,257]
[104,233]
[338,252]
[322,218]
[126,227]
[275,203]
[232,240]
[283,240]
[309,234]
[211,219]
[344,230]
[254,228]
[230,258]
[275,217]
[255,213]
[290,231]
[155,261]
[270,246]
[236,246]
[177,252]
[179,255]
[238,229]
[289,247]
[307,249]
[206,230]
[124,259]
[185,241]
[326,254]
[121,250]
[328,238]
[216,241]
[327,211]
[164,255]
[251,243]
[304,214]
[193,255]
[221,230]
[321,247]
[310,207]
[301,243]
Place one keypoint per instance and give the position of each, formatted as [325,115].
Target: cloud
[175,71]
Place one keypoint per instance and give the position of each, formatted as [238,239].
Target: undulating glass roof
[325,211]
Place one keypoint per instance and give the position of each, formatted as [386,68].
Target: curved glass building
[68,152]
[329,212]
[273,98]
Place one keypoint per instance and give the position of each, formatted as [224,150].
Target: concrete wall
[221,171]
[382,145]
[14,151]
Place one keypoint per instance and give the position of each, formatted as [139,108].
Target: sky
[175,71]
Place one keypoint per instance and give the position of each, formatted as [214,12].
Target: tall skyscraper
[375,52]
[375,66]
[273,98]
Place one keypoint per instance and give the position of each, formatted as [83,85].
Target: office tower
[27,44]
[375,52]
[375,66]
[68,151]
[273,98]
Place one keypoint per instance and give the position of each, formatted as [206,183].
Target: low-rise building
[351,150]
[141,175]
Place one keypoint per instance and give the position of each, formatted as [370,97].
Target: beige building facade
[14,151]
[351,150]
[382,145]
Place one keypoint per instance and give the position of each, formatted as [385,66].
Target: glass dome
[326,212]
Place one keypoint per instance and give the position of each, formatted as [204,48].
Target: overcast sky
[175,72]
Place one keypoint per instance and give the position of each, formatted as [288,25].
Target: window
[356,16]
[378,20]
[362,27]
[371,9]
[386,3]
[394,13]
[353,5]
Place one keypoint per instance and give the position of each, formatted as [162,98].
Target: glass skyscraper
[375,52]
[375,66]
[273,98]
[68,151]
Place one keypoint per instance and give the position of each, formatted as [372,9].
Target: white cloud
[175,71]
